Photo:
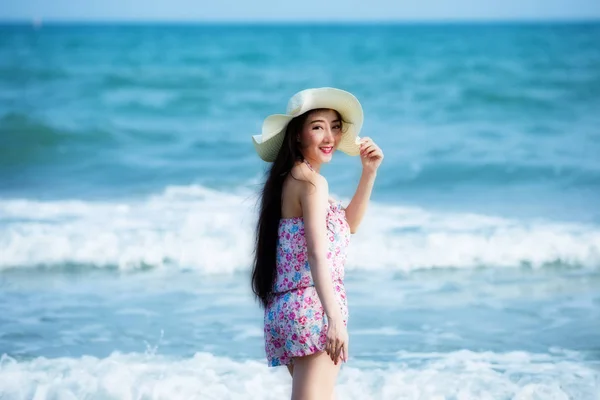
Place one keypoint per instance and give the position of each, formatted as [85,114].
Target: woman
[302,235]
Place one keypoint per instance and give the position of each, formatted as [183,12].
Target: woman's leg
[314,377]
[290,368]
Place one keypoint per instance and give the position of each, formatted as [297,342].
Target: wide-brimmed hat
[268,143]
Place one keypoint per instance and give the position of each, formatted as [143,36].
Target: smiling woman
[125,208]
[302,236]
[324,130]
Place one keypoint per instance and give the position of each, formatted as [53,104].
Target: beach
[129,186]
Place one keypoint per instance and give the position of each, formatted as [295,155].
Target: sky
[299,10]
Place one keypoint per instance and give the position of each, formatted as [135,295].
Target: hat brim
[268,143]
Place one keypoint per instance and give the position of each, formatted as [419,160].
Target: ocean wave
[25,140]
[38,75]
[192,227]
[461,374]
[444,174]
[159,78]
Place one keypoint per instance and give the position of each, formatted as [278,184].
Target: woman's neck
[312,166]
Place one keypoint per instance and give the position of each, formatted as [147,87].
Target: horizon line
[37,19]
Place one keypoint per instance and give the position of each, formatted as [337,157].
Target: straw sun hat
[268,143]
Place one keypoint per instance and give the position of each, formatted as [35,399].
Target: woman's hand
[337,340]
[370,154]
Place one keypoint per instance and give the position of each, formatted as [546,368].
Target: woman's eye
[337,127]
[316,127]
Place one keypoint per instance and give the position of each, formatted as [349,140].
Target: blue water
[128,188]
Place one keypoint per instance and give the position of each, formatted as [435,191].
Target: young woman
[302,235]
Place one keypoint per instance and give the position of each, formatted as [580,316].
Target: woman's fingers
[344,353]
[332,349]
[334,353]
[367,146]
[366,149]
[371,152]
[376,152]
[338,351]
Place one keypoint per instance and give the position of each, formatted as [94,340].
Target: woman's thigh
[314,377]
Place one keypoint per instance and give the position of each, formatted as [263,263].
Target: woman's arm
[371,157]
[358,205]
[314,200]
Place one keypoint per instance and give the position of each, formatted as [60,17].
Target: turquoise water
[128,188]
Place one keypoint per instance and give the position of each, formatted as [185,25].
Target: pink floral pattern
[295,323]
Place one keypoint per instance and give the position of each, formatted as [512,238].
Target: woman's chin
[325,158]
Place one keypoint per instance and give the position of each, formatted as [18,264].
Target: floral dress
[295,322]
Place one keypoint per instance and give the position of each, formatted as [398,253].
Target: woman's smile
[326,149]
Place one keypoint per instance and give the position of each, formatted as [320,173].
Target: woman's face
[320,136]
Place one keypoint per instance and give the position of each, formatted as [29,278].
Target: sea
[129,188]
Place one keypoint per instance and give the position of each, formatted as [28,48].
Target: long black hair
[265,253]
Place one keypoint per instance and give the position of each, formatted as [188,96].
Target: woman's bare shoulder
[305,178]
[301,187]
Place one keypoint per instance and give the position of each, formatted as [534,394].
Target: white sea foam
[457,375]
[192,227]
